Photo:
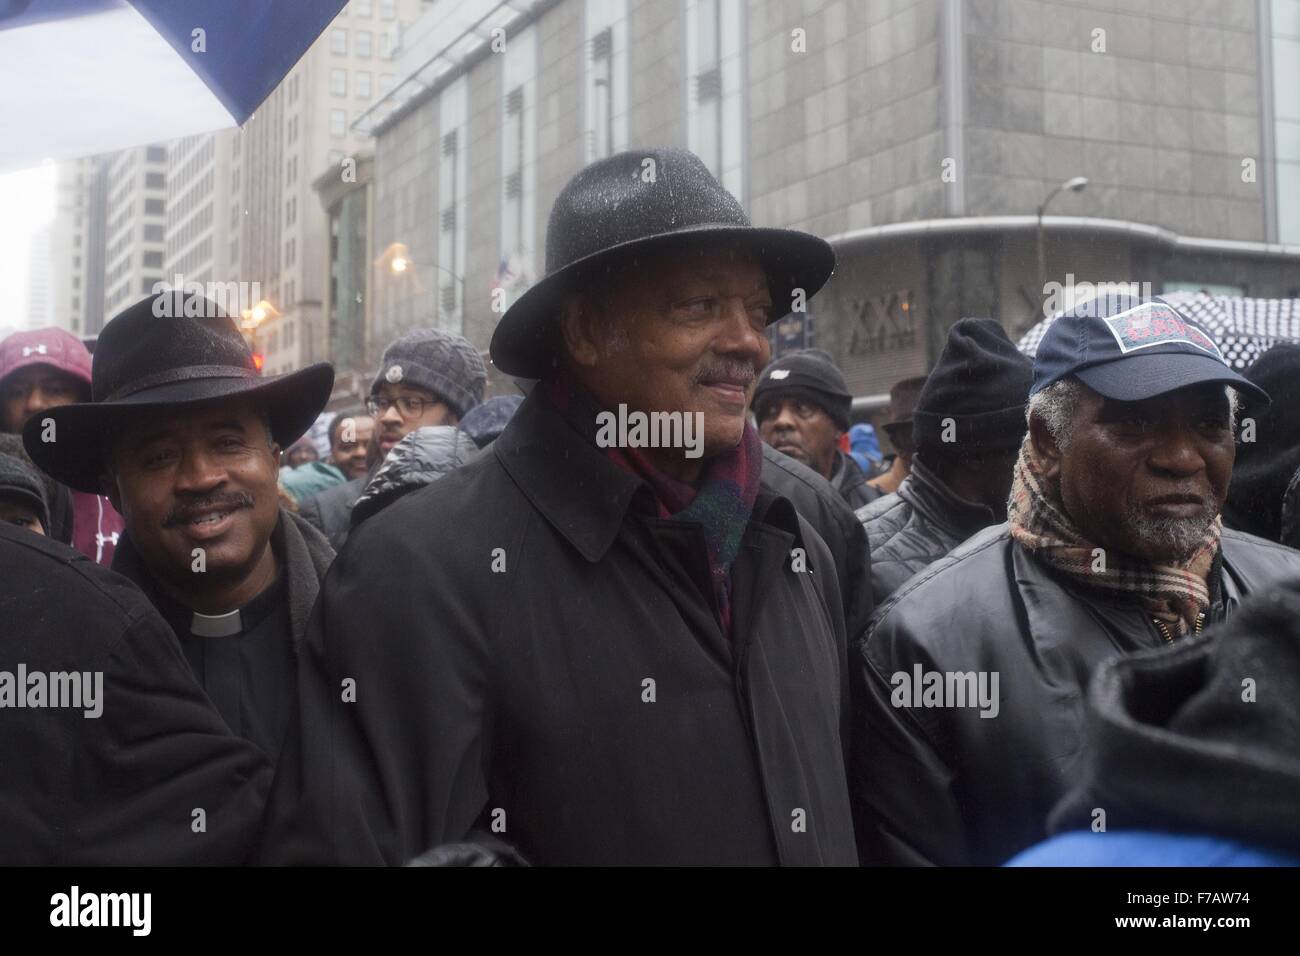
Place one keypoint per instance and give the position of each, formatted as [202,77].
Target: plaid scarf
[1173,594]
[721,502]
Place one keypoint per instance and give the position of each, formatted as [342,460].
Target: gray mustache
[736,370]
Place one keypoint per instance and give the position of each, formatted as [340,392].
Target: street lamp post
[1070,185]
[400,263]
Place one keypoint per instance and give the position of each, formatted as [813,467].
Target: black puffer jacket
[421,457]
[946,785]
[818,504]
[916,526]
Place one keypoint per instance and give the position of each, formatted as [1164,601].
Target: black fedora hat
[156,355]
[632,201]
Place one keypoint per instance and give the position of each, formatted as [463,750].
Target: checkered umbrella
[1244,329]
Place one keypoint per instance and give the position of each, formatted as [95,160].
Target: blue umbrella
[91,76]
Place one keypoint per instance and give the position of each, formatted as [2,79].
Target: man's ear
[579,331]
[108,487]
[1045,447]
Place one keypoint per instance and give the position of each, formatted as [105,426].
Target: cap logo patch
[1154,323]
[781,373]
[394,373]
[38,349]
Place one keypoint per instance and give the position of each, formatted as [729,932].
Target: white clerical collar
[217,625]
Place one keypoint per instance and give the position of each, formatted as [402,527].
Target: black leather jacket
[916,526]
[945,785]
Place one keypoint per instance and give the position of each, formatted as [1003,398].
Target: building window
[518,162]
[385,83]
[387,9]
[338,82]
[339,41]
[714,124]
[147,284]
[1286,117]
[155,154]
[153,260]
[338,122]
[363,8]
[154,207]
[606,81]
[453,112]
[155,180]
[361,84]
[363,47]
[153,233]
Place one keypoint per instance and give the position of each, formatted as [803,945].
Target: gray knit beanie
[440,362]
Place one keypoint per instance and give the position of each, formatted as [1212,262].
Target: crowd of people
[1056,624]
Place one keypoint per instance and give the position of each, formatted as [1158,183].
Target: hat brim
[522,342]
[1135,378]
[77,455]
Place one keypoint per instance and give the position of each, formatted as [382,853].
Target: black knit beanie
[810,374]
[1265,466]
[18,480]
[981,382]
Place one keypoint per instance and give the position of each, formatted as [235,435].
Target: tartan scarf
[721,502]
[1173,594]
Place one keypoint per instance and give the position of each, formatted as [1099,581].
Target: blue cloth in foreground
[1147,848]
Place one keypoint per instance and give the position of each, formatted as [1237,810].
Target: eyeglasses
[408,406]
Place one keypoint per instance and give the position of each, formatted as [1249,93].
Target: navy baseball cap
[1128,349]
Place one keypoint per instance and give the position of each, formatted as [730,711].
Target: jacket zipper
[1163,628]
